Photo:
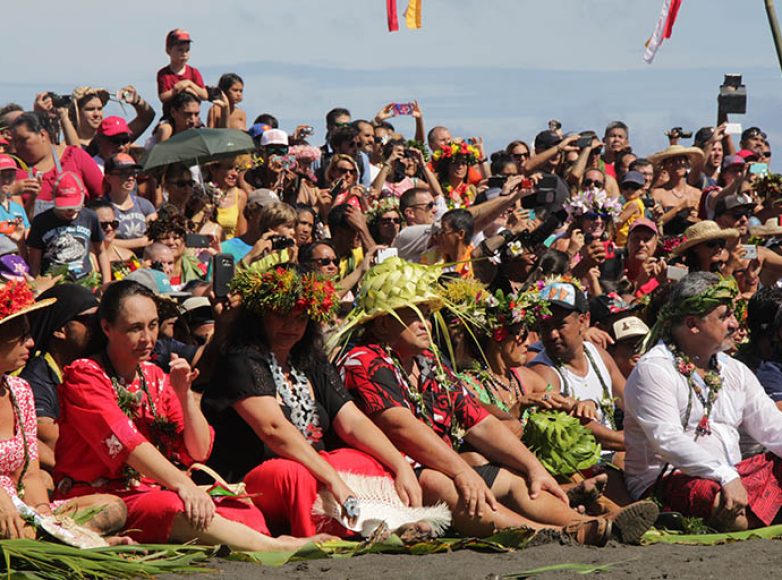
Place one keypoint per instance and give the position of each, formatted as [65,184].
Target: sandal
[632,521]
[594,532]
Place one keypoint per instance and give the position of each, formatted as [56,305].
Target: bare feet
[412,533]
[587,492]
[289,543]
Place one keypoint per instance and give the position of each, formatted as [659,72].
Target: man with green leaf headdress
[397,378]
[686,402]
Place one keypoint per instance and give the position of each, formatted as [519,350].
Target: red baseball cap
[644,223]
[111,126]
[69,191]
[748,155]
[177,36]
[7,162]
[3,140]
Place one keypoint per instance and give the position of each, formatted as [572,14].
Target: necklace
[606,403]
[711,379]
[20,426]
[295,394]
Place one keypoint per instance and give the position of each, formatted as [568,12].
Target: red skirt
[761,476]
[286,491]
[151,511]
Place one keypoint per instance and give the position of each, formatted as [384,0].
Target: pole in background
[774,23]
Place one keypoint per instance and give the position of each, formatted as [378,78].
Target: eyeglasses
[427,206]
[593,215]
[106,226]
[326,261]
[595,182]
[183,183]
[388,221]
[712,244]
[119,140]
[343,170]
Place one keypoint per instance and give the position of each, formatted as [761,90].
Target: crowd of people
[412,318]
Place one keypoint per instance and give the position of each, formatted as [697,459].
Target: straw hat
[703,232]
[693,154]
[16,299]
[770,228]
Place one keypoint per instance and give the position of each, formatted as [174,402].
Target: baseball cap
[7,162]
[602,308]
[120,161]
[732,161]
[274,137]
[197,310]
[633,178]
[628,327]
[258,129]
[159,284]
[69,191]
[111,126]
[547,140]
[748,155]
[13,267]
[261,197]
[3,140]
[644,223]
[565,295]
[177,36]
[733,201]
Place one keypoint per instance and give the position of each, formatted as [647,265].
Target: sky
[498,69]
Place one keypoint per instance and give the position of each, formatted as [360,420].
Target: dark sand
[753,559]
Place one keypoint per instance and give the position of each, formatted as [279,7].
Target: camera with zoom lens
[60,101]
[679,133]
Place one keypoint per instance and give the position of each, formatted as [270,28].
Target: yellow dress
[228,217]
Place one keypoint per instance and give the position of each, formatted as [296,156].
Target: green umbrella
[196,146]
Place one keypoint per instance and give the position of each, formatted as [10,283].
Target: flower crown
[381,206]
[591,200]
[284,290]
[452,150]
[14,296]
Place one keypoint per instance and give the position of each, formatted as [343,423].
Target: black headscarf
[72,300]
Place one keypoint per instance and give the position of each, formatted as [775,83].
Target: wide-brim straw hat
[16,299]
[703,232]
[694,154]
[770,228]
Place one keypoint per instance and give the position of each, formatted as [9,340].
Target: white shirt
[655,400]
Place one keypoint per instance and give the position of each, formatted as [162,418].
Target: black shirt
[244,373]
[43,381]
[64,242]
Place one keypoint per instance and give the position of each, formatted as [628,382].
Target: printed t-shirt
[65,242]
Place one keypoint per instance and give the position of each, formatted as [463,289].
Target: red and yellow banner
[412,15]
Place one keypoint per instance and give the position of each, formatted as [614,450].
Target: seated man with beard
[685,404]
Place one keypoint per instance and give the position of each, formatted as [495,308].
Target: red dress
[12,450]
[96,438]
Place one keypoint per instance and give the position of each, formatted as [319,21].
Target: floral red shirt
[12,450]
[96,436]
[376,384]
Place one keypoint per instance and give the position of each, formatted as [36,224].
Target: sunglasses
[427,206]
[764,155]
[740,213]
[326,261]
[593,215]
[712,244]
[344,170]
[183,183]
[591,182]
[106,226]
[520,155]
[276,150]
[119,140]
[133,174]
[388,221]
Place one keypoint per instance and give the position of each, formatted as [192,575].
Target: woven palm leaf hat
[17,299]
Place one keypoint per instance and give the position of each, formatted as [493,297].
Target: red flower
[13,297]
[500,334]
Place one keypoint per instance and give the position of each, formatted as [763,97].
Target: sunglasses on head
[712,244]
[593,215]
[113,224]
[326,261]
[595,182]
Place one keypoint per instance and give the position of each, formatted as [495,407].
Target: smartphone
[758,169]
[213,93]
[676,273]
[222,272]
[527,183]
[8,227]
[496,181]
[402,108]
[306,131]
[750,251]
[584,142]
[473,140]
[384,254]
[648,202]
[198,241]
[733,129]
[281,242]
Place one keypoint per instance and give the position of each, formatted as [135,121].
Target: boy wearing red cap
[179,76]
[66,234]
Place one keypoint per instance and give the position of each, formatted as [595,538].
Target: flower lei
[593,200]
[381,206]
[297,397]
[451,150]
[284,291]
[684,365]
[14,296]
[458,197]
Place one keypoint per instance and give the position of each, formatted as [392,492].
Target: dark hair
[342,135]
[398,170]
[460,220]
[407,199]
[170,223]
[764,315]
[554,263]
[331,116]
[10,108]
[34,121]
[228,80]
[306,252]
[640,162]
[267,119]
[358,122]
[116,294]
[513,144]
[338,217]
[184,98]
[499,161]
[175,169]
[384,125]
[101,203]
[617,125]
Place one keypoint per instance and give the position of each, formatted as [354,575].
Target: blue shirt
[769,374]
[236,247]
[14,211]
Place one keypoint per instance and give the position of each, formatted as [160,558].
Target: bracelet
[484,160]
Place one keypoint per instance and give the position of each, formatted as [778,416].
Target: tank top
[228,217]
[584,388]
